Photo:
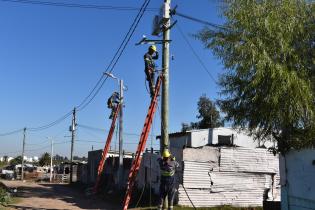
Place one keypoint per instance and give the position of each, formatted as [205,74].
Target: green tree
[44,160]
[17,160]
[267,49]
[5,159]
[207,113]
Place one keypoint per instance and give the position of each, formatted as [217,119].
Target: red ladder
[105,151]
[141,146]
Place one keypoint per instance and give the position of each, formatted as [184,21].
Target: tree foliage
[267,49]
[17,160]
[207,113]
[44,160]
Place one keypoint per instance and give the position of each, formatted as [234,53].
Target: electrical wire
[194,52]
[103,130]
[217,26]
[81,6]
[102,142]
[12,132]
[44,127]
[87,100]
[116,56]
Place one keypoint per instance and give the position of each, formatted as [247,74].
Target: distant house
[110,167]
[6,158]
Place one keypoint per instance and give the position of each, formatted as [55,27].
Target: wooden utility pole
[165,69]
[121,157]
[164,143]
[51,160]
[22,168]
[72,129]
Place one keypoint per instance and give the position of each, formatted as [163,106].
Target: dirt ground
[53,196]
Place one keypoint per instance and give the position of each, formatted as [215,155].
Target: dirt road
[53,196]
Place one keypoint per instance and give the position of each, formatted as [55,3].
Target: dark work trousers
[151,80]
[113,107]
[167,188]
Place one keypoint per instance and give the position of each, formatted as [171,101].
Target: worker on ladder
[168,167]
[149,58]
[112,103]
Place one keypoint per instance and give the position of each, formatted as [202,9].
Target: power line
[39,128]
[194,52]
[80,6]
[103,130]
[117,55]
[217,26]
[111,65]
[12,132]
[102,142]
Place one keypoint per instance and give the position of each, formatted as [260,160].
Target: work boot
[111,115]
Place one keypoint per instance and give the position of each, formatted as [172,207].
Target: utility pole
[164,142]
[121,157]
[22,168]
[72,129]
[51,160]
[165,69]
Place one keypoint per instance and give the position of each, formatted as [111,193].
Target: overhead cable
[80,6]
[87,100]
[116,56]
[103,130]
[43,127]
[194,52]
[217,26]
[12,132]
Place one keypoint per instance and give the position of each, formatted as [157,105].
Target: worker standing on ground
[112,103]
[149,58]
[168,167]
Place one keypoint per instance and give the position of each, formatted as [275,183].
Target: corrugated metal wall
[297,179]
[234,176]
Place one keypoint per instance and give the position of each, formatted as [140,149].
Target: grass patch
[5,197]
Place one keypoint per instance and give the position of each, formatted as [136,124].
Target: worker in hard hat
[168,167]
[149,58]
[112,103]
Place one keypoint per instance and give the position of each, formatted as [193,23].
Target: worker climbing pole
[150,70]
[163,24]
[141,146]
[106,148]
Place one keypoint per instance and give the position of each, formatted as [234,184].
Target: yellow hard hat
[166,154]
[153,47]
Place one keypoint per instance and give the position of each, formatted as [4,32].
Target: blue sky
[50,58]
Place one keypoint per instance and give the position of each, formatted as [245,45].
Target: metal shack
[218,167]
[297,169]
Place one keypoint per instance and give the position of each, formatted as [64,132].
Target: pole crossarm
[152,41]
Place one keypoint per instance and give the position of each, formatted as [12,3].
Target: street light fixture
[110,75]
